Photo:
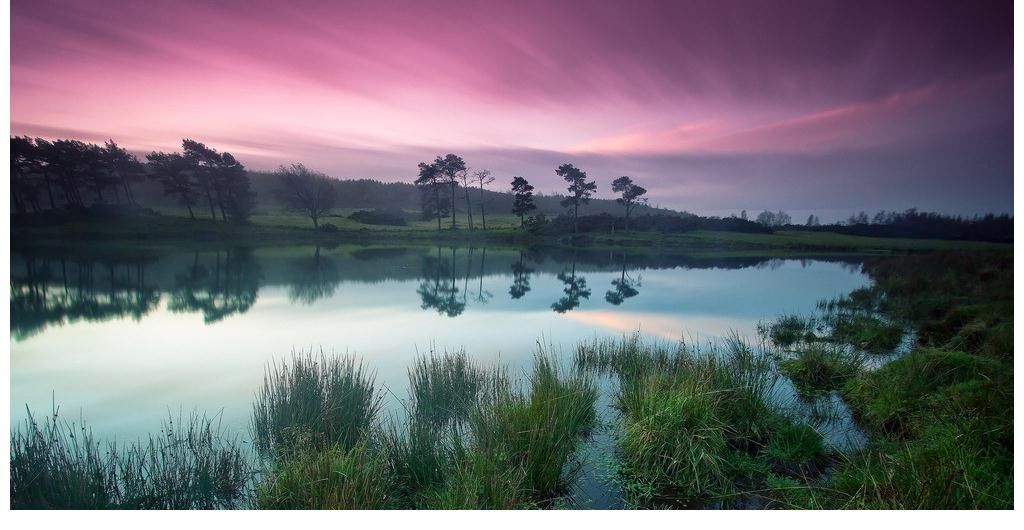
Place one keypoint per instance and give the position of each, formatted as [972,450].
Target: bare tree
[483,178]
[465,179]
[305,190]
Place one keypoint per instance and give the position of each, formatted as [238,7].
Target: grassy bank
[277,227]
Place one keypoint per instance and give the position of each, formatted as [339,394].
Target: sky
[713,106]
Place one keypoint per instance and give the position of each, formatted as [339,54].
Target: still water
[122,336]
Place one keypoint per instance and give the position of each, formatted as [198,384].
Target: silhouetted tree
[743,215]
[24,190]
[859,219]
[452,167]
[222,179]
[306,191]
[483,178]
[93,171]
[466,180]
[430,184]
[773,219]
[42,154]
[124,167]
[522,199]
[631,195]
[580,190]
[812,220]
[70,159]
[203,162]
[173,171]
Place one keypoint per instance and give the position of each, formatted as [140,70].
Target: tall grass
[699,422]
[444,388]
[820,367]
[314,400]
[486,441]
[189,465]
[539,431]
[331,478]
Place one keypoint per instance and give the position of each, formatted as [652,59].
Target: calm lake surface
[122,336]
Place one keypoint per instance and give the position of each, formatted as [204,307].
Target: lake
[121,336]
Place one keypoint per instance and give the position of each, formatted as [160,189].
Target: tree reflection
[520,279]
[313,277]
[574,289]
[436,294]
[623,287]
[84,289]
[229,286]
[482,296]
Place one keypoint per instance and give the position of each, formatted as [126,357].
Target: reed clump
[329,479]
[698,424]
[189,465]
[820,367]
[314,400]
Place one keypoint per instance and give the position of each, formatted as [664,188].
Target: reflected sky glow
[123,375]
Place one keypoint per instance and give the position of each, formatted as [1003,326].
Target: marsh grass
[487,441]
[314,400]
[189,465]
[789,330]
[331,478]
[867,332]
[698,422]
[444,388]
[819,367]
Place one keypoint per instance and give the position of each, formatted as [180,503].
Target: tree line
[47,175]
[440,180]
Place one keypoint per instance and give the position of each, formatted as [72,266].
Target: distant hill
[369,194]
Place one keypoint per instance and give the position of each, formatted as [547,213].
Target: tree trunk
[316,226]
[209,199]
[49,190]
[469,209]
[576,218]
[453,204]
[437,206]
[483,218]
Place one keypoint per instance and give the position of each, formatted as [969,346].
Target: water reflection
[315,277]
[437,289]
[57,286]
[209,318]
[575,289]
[520,279]
[624,287]
[49,291]
[219,286]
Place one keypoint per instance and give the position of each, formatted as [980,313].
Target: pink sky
[711,105]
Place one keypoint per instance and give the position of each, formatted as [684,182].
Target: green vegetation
[700,425]
[790,329]
[472,439]
[189,465]
[820,367]
[315,400]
